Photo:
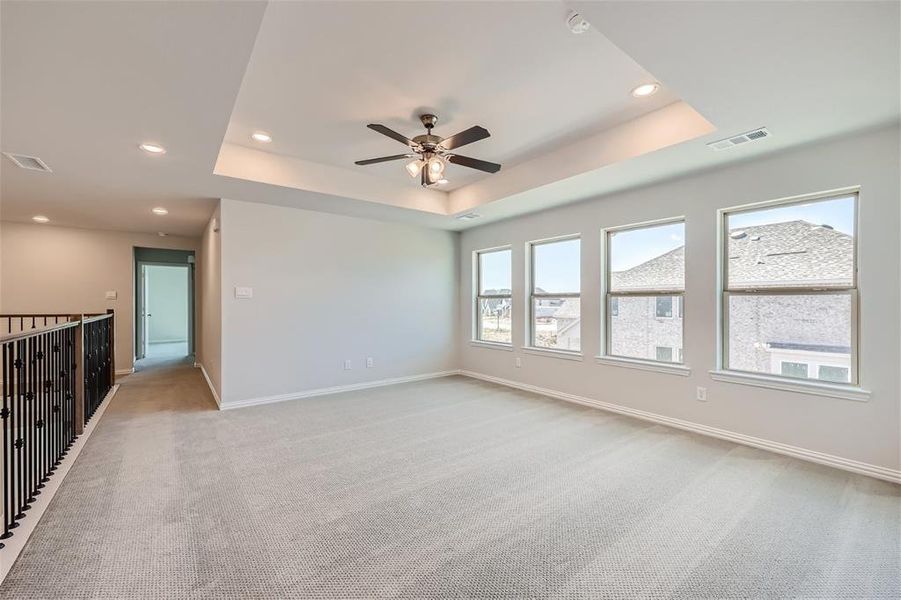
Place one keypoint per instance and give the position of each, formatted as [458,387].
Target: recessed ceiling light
[40,219]
[261,136]
[162,234]
[159,210]
[152,148]
[646,89]
[441,181]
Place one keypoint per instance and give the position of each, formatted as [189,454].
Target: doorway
[164,305]
[165,289]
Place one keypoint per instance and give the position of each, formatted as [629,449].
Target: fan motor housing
[428,140]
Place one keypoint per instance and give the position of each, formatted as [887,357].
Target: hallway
[447,488]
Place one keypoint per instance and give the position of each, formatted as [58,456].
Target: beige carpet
[450,488]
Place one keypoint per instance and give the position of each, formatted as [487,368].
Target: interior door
[143,315]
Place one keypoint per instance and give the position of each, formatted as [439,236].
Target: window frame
[607,294]
[479,296]
[532,295]
[724,292]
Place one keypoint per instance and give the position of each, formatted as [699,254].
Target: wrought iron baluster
[4,418]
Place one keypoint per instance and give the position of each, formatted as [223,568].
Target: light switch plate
[243,293]
[112,295]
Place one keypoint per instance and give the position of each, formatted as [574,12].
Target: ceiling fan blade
[391,134]
[372,161]
[473,134]
[474,163]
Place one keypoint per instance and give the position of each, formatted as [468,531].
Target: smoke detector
[32,163]
[576,23]
[741,138]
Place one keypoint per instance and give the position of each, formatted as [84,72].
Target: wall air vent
[742,138]
[32,163]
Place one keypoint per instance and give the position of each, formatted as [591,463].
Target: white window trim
[848,391]
[553,353]
[627,361]
[492,345]
[530,298]
[477,288]
[777,382]
[644,365]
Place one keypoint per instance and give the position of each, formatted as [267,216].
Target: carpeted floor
[450,488]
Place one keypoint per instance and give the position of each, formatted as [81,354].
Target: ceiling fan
[432,152]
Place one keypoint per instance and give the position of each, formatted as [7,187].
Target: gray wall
[330,288]
[209,285]
[863,431]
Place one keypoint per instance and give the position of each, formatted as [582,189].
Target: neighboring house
[801,336]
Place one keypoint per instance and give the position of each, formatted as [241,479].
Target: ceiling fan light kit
[432,152]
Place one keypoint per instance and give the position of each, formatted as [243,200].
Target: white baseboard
[333,390]
[16,543]
[723,434]
[209,382]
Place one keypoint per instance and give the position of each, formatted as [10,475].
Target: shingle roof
[790,253]
[777,254]
[569,309]
[663,272]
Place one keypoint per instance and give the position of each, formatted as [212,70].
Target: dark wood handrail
[37,331]
[97,317]
[29,315]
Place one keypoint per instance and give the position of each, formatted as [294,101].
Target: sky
[557,265]
[838,213]
[634,246]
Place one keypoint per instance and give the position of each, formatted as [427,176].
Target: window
[794,369]
[494,298]
[790,289]
[837,374]
[555,294]
[643,282]
[665,307]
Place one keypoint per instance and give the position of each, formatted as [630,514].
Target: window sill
[564,354]
[492,345]
[644,365]
[832,390]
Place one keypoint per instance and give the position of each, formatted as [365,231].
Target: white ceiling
[83,83]
[321,71]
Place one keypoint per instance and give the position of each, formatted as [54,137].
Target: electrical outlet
[348,365]
[369,362]
[518,362]
[701,395]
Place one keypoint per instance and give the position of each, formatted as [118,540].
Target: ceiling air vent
[32,163]
[742,138]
